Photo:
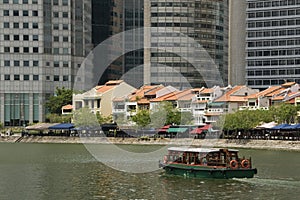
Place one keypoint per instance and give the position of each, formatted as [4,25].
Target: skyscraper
[273,42]
[42,45]
[206,21]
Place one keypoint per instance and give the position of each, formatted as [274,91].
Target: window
[65,78]
[26,63]
[65,15]
[5,12]
[35,13]
[35,49]
[56,78]
[25,25]
[6,49]
[48,78]
[16,13]
[65,51]
[56,51]
[34,1]
[25,77]
[35,38]
[65,64]
[25,49]
[25,1]
[35,63]
[65,27]
[65,2]
[7,77]
[25,12]
[35,25]
[17,63]
[35,77]
[56,26]
[16,77]
[5,1]
[6,63]
[56,63]
[16,25]
[55,14]
[6,37]
[16,37]
[56,38]
[65,39]
[25,37]
[55,2]
[16,1]
[16,49]
[6,25]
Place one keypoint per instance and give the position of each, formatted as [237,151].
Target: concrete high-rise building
[273,42]
[237,45]
[42,45]
[206,21]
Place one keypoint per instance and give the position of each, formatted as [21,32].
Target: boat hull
[207,172]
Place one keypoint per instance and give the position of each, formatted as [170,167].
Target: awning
[281,126]
[176,130]
[164,129]
[64,126]
[40,126]
[267,125]
[200,130]
[291,127]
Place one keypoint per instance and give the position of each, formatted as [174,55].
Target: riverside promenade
[236,143]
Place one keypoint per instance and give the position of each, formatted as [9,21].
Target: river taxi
[207,163]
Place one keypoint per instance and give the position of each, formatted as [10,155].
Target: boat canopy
[63,126]
[197,150]
[177,130]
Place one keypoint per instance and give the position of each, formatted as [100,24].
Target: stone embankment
[248,144]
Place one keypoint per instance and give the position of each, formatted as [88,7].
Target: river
[69,171]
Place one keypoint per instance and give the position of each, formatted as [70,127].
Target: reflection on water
[49,171]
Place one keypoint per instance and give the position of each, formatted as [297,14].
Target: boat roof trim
[197,150]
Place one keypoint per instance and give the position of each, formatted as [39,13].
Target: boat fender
[245,164]
[234,164]
[165,159]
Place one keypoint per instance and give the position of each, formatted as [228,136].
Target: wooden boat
[207,163]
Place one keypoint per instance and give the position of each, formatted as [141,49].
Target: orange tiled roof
[278,98]
[114,82]
[228,96]
[288,84]
[143,101]
[140,93]
[181,95]
[105,88]
[164,97]
[67,107]
[276,92]
[154,90]
[207,91]
[264,92]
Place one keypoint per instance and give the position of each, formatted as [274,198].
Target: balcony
[253,108]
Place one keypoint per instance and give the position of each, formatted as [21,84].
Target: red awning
[200,130]
[164,129]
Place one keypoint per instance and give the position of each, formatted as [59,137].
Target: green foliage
[102,119]
[1,126]
[56,118]
[248,119]
[84,118]
[61,98]
[142,118]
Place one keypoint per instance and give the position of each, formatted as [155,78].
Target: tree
[102,119]
[61,98]
[85,118]
[142,118]
[284,113]
[56,118]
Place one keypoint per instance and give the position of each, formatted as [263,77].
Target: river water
[69,171]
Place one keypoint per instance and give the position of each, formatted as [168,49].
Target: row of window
[17,63]
[266,63]
[171,4]
[20,1]
[282,52]
[171,14]
[21,37]
[266,4]
[62,14]
[34,13]
[26,77]
[274,72]
[284,32]
[273,43]
[64,51]
[267,83]
[284,22]
[274,13]
[33,25]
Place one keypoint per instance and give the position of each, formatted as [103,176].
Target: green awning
[176,130]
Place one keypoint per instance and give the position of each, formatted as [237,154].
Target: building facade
[272,42]
[205,21]
[43,43]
